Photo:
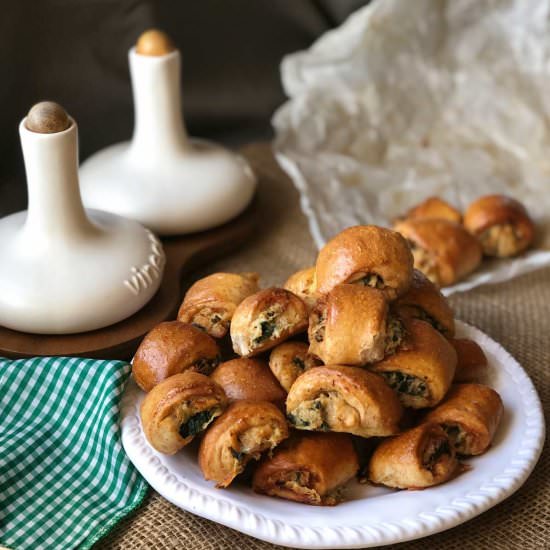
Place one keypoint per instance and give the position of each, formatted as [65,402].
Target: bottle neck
[51,163]
[158,127]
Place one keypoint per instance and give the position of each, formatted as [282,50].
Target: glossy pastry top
[303,284]
[349,326]
[502,224]
[471,360]
[243,432]
[423,372]
[289,360]
[368,255]
[470,414]
[424,301]
[434,207]
[343,399]
[444,251]
[170,348]
[308,468]
[265,319]
[249,379]
[179,408]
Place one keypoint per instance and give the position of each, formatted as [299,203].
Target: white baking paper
[414,98]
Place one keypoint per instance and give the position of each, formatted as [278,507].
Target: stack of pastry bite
[359,347]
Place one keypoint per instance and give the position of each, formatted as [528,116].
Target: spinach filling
[442,449]
[238,456]
[315,421]
[406,383]
[395,333]
[267,328]
[299,363]
[206,365]
[196,424]
[320,322]
[424,316]
[373,280]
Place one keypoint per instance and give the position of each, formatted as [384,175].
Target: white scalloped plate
[372,516]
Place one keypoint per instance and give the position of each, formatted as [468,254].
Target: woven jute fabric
[516,314]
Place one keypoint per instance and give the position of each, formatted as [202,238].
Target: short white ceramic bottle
[162,178]
[64,269]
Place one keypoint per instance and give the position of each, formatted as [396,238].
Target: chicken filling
[395,332]
[298,482]
[459,438]
[425,261]
[268,325]
[436,448]
[319,322]
[406,383]
[501,240]
[215,322]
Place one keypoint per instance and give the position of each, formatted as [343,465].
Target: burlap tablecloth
[516,313]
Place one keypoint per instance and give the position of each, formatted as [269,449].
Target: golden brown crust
[471,360]
[418,458]
[211,301]
[361,253]
[424,301]
[302,283]
[170,348]
[308,468]
[343,399]
[242,433]
[434,207]
[249,379]
[444,251]
[470,414]
[513,229]
[349,326]
[422,373]
[178,408]
[289,360]
[265,319]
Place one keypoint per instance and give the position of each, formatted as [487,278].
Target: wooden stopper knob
[155,43]
[47,117]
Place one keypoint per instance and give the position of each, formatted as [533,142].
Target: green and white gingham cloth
[65,480]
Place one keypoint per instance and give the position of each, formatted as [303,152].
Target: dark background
[75,52]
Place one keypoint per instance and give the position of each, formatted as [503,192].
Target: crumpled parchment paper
[412,99]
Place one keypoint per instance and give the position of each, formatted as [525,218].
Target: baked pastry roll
[290,359]
[443,250]
[310,468]
[265,319]
[250,379]
[302,283]
[210,302]
[351,325]
[170,348]
[501,224]
[179,408]
[242,433]
[424,301]
[434,207]
[343,399]
[418,458]
[368,255]
[470,415]
[471,360]
[422,373]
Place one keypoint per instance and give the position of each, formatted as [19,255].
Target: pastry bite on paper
[179,408]
[352,325]
[424,301]
[242,433]
[418,458]
[366,255]
[303,284]
[471,360]
[434,207]
[443,250]
[289,360]
[343,399]
[265,319]
[422,373]
[470,415]
[309,467]
[501,224]
[210,302]
[170,348]
[249,379]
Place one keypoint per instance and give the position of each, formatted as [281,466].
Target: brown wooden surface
[119,341]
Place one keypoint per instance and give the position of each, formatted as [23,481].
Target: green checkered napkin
[65,480]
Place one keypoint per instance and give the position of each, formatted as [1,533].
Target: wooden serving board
[120,341]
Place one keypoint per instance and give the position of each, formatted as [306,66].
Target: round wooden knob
[47,117]
[154,43]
